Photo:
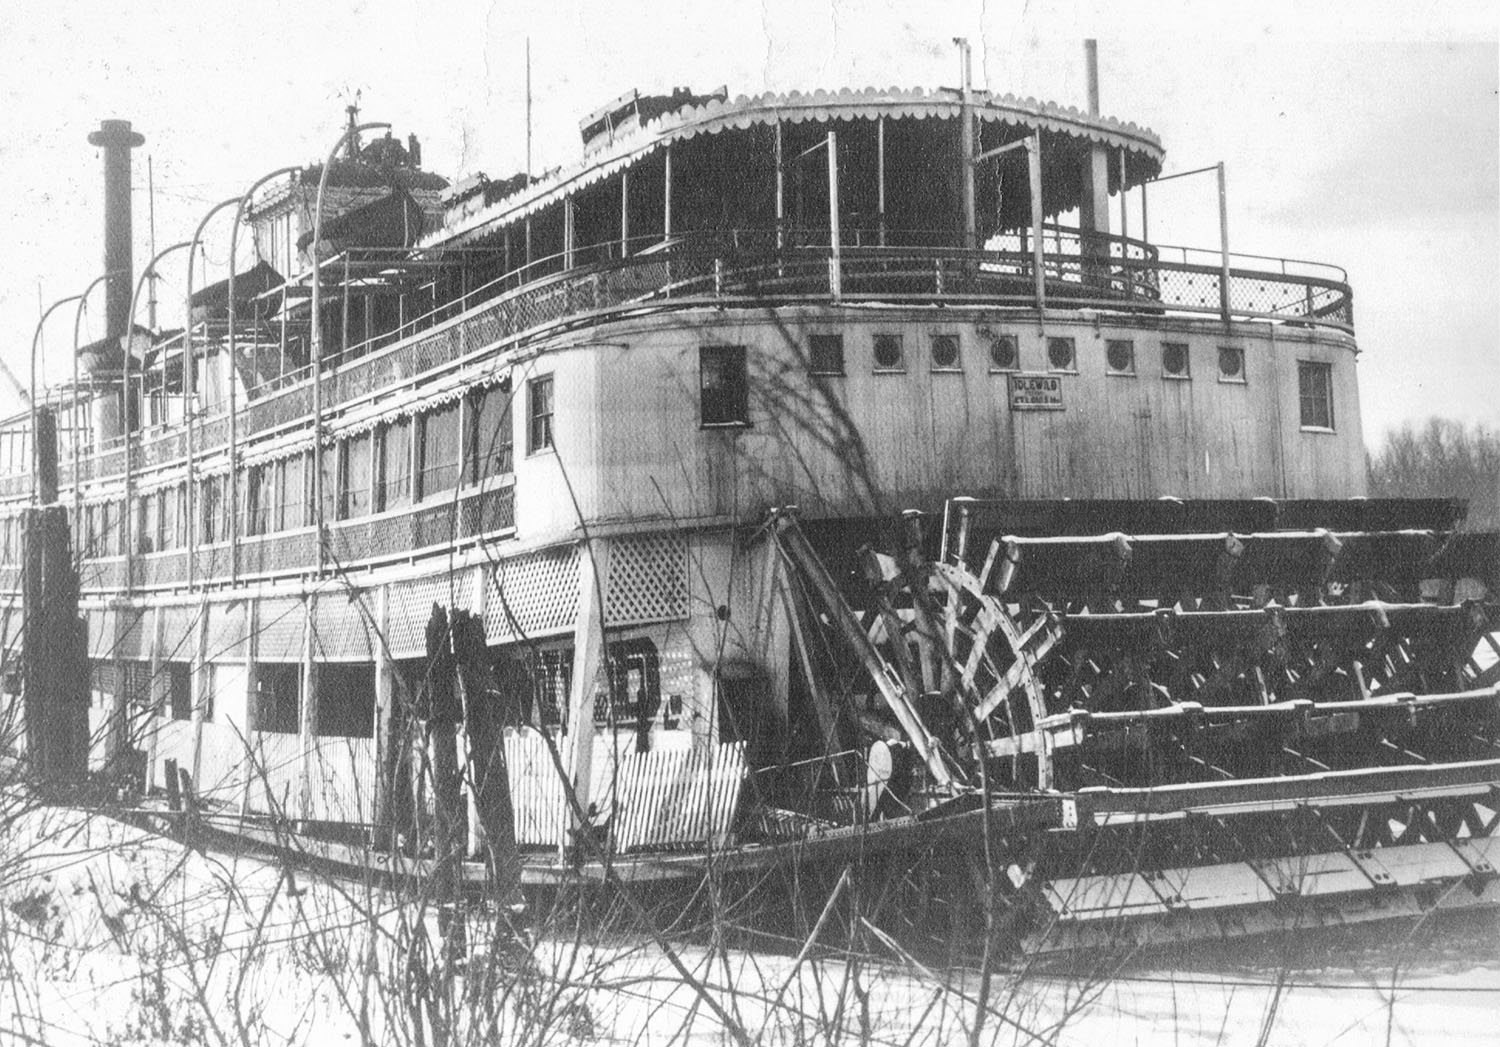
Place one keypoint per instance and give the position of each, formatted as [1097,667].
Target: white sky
[1364,136]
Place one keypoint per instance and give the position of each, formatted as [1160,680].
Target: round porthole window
[945,350]
[1120,356]
[1003,352]
[888,355]
[1060,353]
[1231,361]
[1174,359]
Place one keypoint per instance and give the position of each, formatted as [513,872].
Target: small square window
[1061,354]
[1119,356]
[1005,353]
[827,353]
[1174,360]
[890,354]
[539,414]
[945,352]
[1315,394]
[1231,364]
[723,385]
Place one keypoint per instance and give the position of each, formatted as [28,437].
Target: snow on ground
[112,935]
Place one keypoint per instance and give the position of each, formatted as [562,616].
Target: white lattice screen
[648,579]
[409,606]
[227,631]
[341,630]
[534,595]
[179,633]
[280,636]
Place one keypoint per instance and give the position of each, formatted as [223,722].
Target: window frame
[541,431]
[1325,371]
[933,340]
[1186,374]
[876,367]
[1240,377]
[736,405]
[1129,371]
[1012,340]
[827,340]
[1071,367]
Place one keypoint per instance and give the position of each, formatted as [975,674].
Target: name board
[1036,392]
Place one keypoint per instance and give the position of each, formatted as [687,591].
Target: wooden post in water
[54,649]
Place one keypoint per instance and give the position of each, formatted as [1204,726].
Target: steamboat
[794,482]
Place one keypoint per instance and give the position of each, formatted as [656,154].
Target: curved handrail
[715,268]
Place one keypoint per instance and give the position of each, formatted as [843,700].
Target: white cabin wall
[629,432]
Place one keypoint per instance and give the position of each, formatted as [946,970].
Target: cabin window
[169,516]
[354,477]
[179,689]
[209,493]
[489,451]
[634,696]
[277,701]
[945,352]
[827,354]
[440,449]
[291,493]
[539,414]
[1231,364]
[1061,354]
[346,701]
[1005,352]
[148,523]
[1119,356]
[890,354]
[1174,360]
[724,387]
[551,683]
[258,486]
[1315,394]
[395,465]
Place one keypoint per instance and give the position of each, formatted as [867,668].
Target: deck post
[966,143]
[780,190]
[384,709]
[835,254]
[201,685]
[307,729]
[1034,178]
[588,661]
[879,178]
[625,213]
[1223,246]
[666,219]
[249,760]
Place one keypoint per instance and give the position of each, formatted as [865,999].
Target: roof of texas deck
[821,106]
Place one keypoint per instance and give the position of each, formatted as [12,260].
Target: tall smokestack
[117,139]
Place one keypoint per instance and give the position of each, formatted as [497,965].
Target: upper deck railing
[746,267]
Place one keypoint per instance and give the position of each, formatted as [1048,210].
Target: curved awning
[797,107]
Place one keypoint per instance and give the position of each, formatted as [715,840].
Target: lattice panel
[533,595]
[342,626]
[409,607]
[179,633]
[648,580]
[228,631]
[280,633]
